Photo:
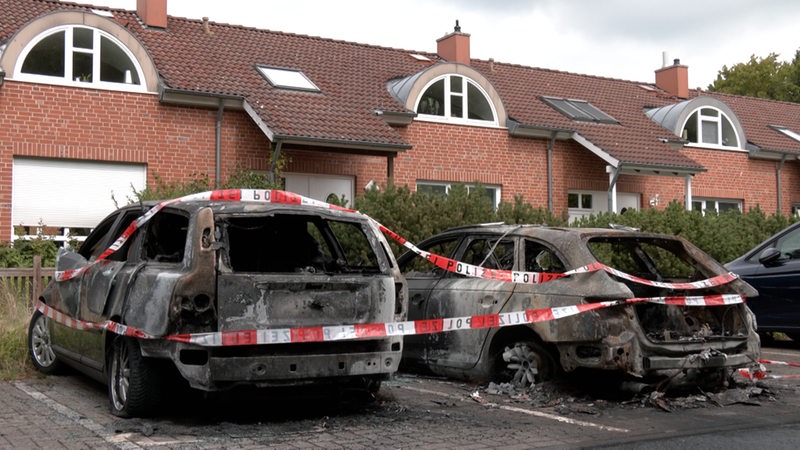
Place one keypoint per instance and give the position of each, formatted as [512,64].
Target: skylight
[790,133]
[579,110]
[287,78]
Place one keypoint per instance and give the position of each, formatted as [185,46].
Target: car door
[458,295]
[778,303]
[422,277]
[85,297]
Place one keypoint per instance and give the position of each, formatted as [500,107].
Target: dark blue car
[773,268]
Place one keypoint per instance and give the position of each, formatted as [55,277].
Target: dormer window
[82,56]
[455,98]
[710,126]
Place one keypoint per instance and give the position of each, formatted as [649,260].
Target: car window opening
[667,260]
[296,243]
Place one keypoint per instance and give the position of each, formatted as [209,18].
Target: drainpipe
[274,164]
[613,174]
[778,177]
[550,144]
[218,144]
[688,192]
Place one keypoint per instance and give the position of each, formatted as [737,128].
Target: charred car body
[204,267]
[641,340]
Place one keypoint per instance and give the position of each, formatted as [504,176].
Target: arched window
[80,56]
[710,126]
[455,98]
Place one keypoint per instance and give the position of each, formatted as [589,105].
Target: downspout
[218,144]
[779,178]
[689,197]
[273,166]
[550,144]
[613,174]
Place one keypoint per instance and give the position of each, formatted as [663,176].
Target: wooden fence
[28,281]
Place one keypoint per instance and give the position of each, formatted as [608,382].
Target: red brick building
[95,101]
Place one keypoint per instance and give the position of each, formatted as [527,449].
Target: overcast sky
[611,38]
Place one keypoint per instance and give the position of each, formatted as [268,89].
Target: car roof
[243,207]
[549,233]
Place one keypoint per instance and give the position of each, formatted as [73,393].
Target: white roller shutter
[319,187]
[68,193]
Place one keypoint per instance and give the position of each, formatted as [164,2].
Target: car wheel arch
[510,336]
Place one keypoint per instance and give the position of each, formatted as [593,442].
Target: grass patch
[14,316]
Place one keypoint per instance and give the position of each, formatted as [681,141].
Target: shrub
[724,236]
[417,215]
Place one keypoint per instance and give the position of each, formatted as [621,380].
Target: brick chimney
[152,12]
[454,47]
[674,79]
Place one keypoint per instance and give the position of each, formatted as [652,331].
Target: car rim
[120,376]
[523,363]
[41,346]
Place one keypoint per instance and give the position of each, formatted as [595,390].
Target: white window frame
[712,121]
[496,189]
[707,203]
[287,78]
[448,94]
[67,79]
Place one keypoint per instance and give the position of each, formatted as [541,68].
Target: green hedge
[416,215]
[724,236]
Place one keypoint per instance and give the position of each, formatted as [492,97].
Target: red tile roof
[352,79]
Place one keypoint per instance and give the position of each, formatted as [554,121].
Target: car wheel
[40,345]
[524,364]
[133,381]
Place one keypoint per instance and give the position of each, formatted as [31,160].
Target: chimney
[674,79]
[454,47]
[152,12]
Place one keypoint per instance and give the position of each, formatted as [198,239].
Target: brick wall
[88,124]
[178,142]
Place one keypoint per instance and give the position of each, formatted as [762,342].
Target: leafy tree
[761,77]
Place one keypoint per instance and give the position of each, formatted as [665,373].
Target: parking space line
[529,412]
[85,422]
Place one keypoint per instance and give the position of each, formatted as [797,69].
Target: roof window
[579,110]
[787,132]
[287,79]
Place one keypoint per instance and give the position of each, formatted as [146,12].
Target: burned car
[638,339]
[221,268]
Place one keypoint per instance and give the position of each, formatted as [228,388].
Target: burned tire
[40,347]
[523,364]
[133,381]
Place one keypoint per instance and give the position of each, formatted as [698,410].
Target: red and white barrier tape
[778,363]
[760,372]
[284,197]
[373,330]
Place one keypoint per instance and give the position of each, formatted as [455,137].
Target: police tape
[376,330]
[284,197]
[760,372]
